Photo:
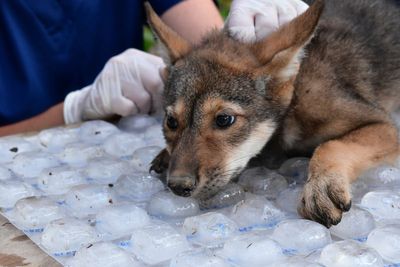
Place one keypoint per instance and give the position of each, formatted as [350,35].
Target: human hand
[129,83]
[251,20]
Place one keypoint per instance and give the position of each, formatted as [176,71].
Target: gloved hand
[129,83]
[251,20]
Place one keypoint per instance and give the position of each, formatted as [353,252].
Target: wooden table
[16,249]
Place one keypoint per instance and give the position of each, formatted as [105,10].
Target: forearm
[50,118]
[193,18]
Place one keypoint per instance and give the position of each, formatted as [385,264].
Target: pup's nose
[182,185]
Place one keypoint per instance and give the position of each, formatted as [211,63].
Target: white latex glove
[251,20]
[129,83]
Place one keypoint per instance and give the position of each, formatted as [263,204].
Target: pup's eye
[172,123]
[224,121]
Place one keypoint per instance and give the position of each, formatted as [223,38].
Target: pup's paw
[160,162]
[324,199]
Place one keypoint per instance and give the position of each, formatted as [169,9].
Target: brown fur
[322,85]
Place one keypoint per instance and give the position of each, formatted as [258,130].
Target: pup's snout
[182,185]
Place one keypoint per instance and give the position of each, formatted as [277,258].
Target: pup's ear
[281,52]
[176,46]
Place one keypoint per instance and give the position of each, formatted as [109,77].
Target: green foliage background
[223,6]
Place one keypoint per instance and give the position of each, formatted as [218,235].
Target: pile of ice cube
[85,196]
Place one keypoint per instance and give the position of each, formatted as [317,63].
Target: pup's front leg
[160,162]
[337,163]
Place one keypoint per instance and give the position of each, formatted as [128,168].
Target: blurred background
[223,6]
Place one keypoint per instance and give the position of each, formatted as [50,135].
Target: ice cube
[143,156]
[83,200]
[95,132]
[12,146]
[13,190]
[256,212]
[298,261]
[156,243]
[230,195]
[382,204]
[59,180]
[104,255]
[251,249]
[350,253]
[122,144]
[166,205]
[79,154]
[261,181]
[107,170]
[33,213]
[210,229]
[137,123]
[119,221]
[56,138]
[358,189]
[300,236]
[5,173]
[30,164]
[296,169]
[289,199]
[137,187]
[386,240]
[198,258]
[347,229]
[382,177]
[64,236]
[154,136]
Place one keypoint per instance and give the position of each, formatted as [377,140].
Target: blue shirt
[49,48]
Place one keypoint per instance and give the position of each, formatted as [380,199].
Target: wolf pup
[322,85]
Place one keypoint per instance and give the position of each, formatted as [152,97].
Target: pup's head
[225,99]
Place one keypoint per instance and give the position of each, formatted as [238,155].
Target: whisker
[236,160]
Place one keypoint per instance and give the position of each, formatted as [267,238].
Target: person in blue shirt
[50,48]
[65,61]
